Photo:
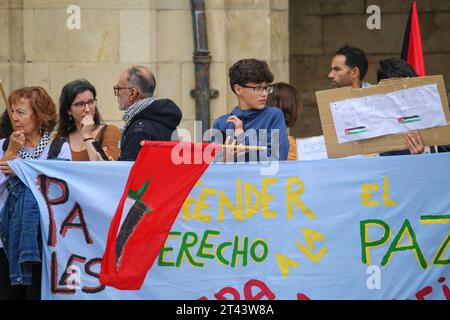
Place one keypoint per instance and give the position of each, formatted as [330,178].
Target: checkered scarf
[134,110]
[39,149]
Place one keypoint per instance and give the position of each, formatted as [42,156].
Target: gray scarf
[133,110]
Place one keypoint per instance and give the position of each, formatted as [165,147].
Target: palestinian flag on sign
[355,130]
[409,119]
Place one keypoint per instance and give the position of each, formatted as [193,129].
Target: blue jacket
[265,122]
[19,231]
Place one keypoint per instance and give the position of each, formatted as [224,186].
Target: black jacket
[156,122]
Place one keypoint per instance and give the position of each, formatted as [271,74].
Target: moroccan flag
[158,184]
[412,51]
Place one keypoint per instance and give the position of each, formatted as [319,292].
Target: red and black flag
[412,51]
[158,184]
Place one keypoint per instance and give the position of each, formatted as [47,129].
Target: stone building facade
[297,38]
[37,48]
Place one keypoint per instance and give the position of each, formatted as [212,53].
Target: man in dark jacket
[146,117]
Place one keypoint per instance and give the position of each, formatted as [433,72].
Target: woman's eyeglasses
[80,104]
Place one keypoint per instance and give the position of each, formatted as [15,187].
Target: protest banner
[357,228]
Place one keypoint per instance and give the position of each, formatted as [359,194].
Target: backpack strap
[5,145]
[55,148]
[53,152]
[102,134]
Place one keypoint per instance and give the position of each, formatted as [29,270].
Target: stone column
[257,29]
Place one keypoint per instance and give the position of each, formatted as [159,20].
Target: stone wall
[317,28]
[36,47]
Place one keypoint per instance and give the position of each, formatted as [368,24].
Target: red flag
[158,184]
[412,51]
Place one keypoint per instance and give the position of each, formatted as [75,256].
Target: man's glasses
[91,103]
[260,89]
[117,89]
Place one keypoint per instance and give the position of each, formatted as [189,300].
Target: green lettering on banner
[406,229]
[219,251]
[184,250]
[367,245]
[237,252]
[265,250]
[204,245]
[165,249]
[443,248]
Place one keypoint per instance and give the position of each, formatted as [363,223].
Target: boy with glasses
[252,122]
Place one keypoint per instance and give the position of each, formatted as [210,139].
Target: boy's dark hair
[394,68]
[287,98]
[354,57]
[249,71]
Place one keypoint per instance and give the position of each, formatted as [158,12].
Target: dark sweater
[269,118]
[156,122]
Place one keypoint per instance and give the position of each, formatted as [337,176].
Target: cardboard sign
[312,148]
[431,136]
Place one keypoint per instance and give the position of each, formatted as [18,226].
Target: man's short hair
[394,68]
[144,83]
[354,57]
[249,71]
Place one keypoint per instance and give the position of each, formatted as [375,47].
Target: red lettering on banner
[54,278]
[44,184]
[445,289]
[301,296]
[69,224]
[227,290]
[72,277]
[88,270]
[264,290]
[422,293]
[69,271]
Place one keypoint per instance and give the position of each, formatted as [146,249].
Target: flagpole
[243,147]
[5,100]
[232,146]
